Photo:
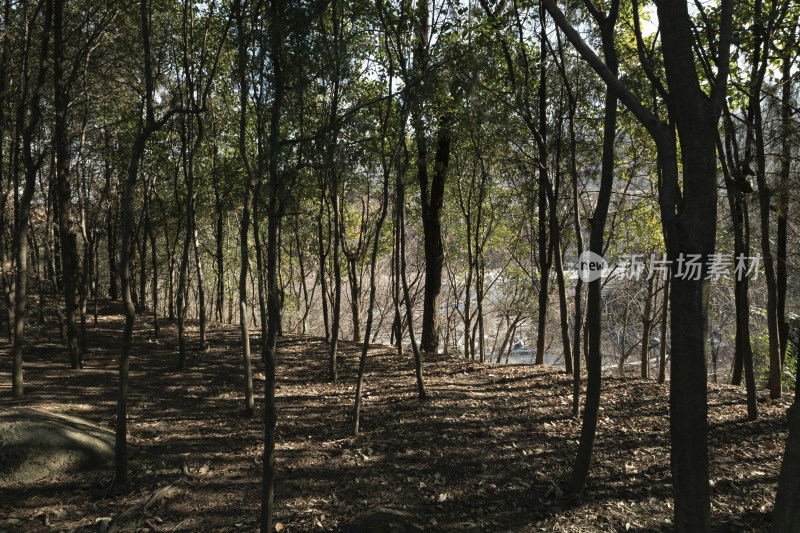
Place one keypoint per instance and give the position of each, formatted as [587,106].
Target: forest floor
[490,451]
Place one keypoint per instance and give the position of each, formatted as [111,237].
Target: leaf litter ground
[490,451]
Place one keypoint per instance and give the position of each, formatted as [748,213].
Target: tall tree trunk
[555,231]
[148,228]
[573,165]
[647,328]
[755,137]
[201,312]
[544,183]
[147,127]
[594,358]
[69,254]
[20,245]
[355,291]
[141,244]
[662,348]
[323,258]
[111,242]
[276,192]
[5,209]
[775,371]
[337,274]
[219,297]
[244,245]
[431,190]
[782,214]
[786,516]
[387,166]
[181,304]
[432,203]
[422,393]
[740,218]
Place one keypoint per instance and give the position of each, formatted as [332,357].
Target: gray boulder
[384,521]
[35,444]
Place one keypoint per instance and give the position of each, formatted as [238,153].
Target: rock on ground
[35,444]
[384,521]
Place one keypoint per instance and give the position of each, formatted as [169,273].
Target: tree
[689,221]
[32,164]
[425,84]
[147,126]
[249,187]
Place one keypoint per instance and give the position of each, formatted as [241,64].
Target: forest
[402,265]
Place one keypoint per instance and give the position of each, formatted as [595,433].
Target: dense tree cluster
[424,174]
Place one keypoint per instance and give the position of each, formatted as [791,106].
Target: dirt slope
[491,451]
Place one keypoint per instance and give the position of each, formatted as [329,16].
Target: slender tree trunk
[307,299]
[146,129]
[245,258]
[323,258]
[337,276]
[181,304]
[431,190]
[148,228]
[401,221]
[387,166]
[576,352]
[647,328]
[244,247]
[783,203]
[662,348]
[544,182]
[5,209]
[23,213]
[200,283]
[562,299]
[764,193]
[95,287]
[260,267]
[355,291]
[755,137]
[623,351]
[740,218]
[141,244]
[219,300]
[593,352]
[269,345]
[479,295]
[786,516]
[69,255]
[111,241]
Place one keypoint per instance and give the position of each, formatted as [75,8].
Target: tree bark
[20,245]
[387,166]
[147,127]
[786,516]
[691,229]
[783,203]
[69,255]
[276,193]
[740,219]
[431,190]
[594,361]
[662,348]
[647,328]
[249,402]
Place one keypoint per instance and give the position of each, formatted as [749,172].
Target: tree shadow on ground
[490,451]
